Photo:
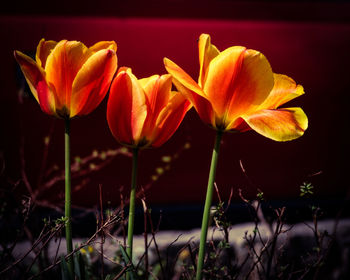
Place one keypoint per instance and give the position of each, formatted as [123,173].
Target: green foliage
[260,196]
[126,258]
[306,189]
[64,270]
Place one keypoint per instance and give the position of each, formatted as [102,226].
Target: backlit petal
[170,118]
[126,108]
[158,93]
[190,89]
[207,52]
[111,45]
[35,78]
[62,65]
[43,50]
[279,125]
[92,82]
[157,90]
[284,90]
[238,81]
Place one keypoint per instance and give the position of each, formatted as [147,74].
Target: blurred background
[308,41]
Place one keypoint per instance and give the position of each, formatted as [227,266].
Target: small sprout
[77,159]
[306,189]
[60,221]
[159,170]
[166,158]
[187,145]
[123,150]
[283,267]
[103,155]
[184,255]
[92,166]
[46,140]
[316,249]
[154,177]
[95,153]
[223,245]
[260,195]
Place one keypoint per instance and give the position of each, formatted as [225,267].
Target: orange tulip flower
[237,91]
[67,78]
[145,112]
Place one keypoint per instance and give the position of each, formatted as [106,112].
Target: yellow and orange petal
[191,90]
[43,50]
[279,125]
[157,92]
[207,52]
[284,90]
[92,82]
[104,45]
[35,77]
[170,118]
[126,108]
[238,81]
[62,65]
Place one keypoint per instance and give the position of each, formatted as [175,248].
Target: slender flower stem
[208,200]
[132,204]
[68,196]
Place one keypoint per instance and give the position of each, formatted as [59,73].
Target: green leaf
[127,260]
[80,267]
[64,269]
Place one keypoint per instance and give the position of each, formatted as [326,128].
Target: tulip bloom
[238,91]
[68,79]
[144,113]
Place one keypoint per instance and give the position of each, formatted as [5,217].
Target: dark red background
[309,42]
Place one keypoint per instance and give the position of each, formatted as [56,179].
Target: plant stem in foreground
[132,204]
[67,205]
[208,200]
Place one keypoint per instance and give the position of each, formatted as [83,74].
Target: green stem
[208,200]
[132,204]
[68,196]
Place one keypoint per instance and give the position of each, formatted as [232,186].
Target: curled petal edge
[281,125]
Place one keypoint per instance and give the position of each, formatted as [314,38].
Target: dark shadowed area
[309,42]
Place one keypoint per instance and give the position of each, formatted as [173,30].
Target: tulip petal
[157,93]
[284,90]
[157,90]
[238,81]
[92,82]
[170,118]
[279,125]
[207,52]
[35,78]
[61,67]
[190,89]
[126,108]
[102,45]
[43,50]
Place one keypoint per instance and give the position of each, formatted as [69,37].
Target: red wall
[315,54]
